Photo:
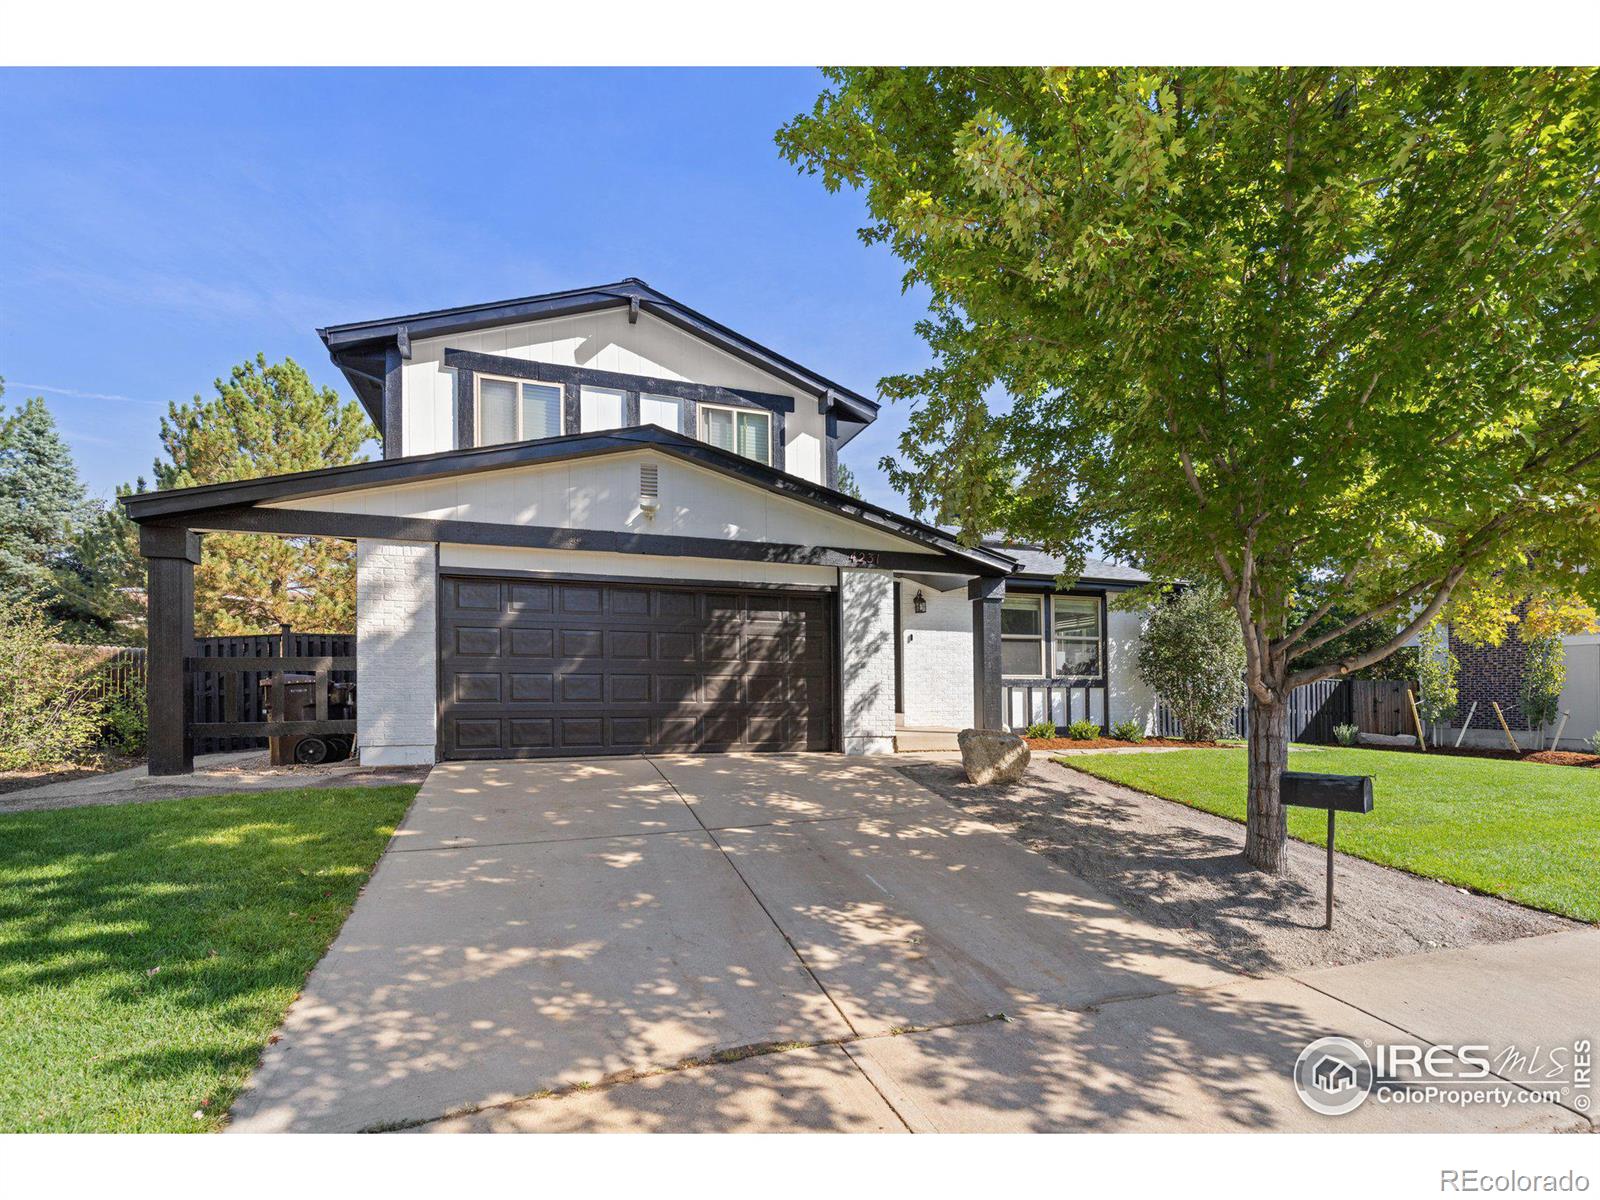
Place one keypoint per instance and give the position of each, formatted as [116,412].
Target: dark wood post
[170,557]
[987,697]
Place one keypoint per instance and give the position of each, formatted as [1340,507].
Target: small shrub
[1042,729]
[1127,731]
[46,716]
[1593,742]
[1083,731]
[126,726]
[1347,735]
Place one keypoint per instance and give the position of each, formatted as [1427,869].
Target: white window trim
[700,427]
[1099,638]
[1038,639]
[477,404]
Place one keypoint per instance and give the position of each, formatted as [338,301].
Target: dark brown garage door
[532,668]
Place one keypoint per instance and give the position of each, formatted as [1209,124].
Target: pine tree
[265,420]
[42,503]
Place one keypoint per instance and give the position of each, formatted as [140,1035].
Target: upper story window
[665,411]
[513,410]
[743,431]
[1070,649]
[599,408]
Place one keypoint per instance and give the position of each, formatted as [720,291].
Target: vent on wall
[649,489]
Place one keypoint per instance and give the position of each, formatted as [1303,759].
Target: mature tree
[42,502]
[1326,334]
[265,420]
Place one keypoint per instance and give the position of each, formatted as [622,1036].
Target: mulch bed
[1560,758]
[1100,743]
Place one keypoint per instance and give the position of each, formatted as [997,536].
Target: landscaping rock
[990,756]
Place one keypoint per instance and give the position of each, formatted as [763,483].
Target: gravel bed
[1185,869]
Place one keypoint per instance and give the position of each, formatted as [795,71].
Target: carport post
[170,557]
[986,593]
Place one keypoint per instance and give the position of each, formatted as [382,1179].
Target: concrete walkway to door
[808,942]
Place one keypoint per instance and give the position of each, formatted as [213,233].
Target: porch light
[919,602]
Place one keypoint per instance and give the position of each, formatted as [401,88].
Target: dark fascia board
[178,503]
[624,293]
[1084,583]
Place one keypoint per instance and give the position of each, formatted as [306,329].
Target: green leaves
[1318,332]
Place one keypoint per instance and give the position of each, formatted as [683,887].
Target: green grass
[1529,832]
[147,951]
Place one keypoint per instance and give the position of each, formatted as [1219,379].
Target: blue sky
[157,227]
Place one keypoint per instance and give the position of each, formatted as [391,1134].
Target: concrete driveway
[797,942]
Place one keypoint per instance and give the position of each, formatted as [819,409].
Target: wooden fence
[233,695]
[111,671]
[1374,705]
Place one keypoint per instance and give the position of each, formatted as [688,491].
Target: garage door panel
[550,668]
[532,643]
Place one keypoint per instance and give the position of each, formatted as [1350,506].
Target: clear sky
[157,227]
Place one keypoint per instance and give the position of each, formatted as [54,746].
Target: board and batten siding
[605,341]
[602,493]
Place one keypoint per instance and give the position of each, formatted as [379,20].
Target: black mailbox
[1337,793]
[1332,794]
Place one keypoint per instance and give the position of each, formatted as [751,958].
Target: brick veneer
[1490,674]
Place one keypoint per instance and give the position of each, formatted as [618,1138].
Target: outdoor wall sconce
[919,602]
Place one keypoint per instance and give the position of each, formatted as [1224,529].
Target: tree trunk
[1266,827]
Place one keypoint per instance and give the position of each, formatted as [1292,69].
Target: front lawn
[147,951]
[1525,831]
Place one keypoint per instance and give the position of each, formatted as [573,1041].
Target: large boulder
[990,756]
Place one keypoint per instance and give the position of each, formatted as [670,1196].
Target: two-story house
[605,523]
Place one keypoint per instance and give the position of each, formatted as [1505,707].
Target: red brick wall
[1490,674]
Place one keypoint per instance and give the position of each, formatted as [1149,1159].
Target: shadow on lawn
[181,927]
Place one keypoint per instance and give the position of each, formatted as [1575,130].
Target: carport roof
[181,505]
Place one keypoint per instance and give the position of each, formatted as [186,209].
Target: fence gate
[1373,705]
[225,675]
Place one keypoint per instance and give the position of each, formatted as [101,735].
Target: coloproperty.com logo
[1337,1075]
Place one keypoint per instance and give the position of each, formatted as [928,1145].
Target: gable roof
[360,348]
[1033,562]
[181,503]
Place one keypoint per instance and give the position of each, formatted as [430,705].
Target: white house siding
[866,660]
[936,663]
[1581,696]
[396,707]
[603,493]
[1131,700]
[605,341]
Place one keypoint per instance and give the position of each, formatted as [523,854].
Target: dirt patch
[1185,869]
[1101,743]
[16,781]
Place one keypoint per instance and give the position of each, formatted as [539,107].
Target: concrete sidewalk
[213,775]
[813,942]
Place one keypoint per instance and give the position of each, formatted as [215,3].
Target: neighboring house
[605,523]
[1492,675]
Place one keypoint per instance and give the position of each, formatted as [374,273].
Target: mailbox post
[1336,794]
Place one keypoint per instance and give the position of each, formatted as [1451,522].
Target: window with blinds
[738,430]
[511,410]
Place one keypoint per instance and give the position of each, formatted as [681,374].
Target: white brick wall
[937,667]
[866,660]
[396,652]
